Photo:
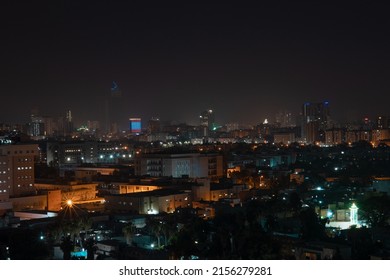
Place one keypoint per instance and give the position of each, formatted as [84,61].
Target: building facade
[17,170]
[179,165]
[150,202]
[315,118]
[79,152]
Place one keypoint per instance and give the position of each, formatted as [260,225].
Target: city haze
[172,63]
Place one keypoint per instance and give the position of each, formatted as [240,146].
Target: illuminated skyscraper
[135,125]
[207,121]
[37,127]
[315,118]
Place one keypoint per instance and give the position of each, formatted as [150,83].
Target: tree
[191,240]
[312,226]
[129,231]
[375,210]
[155,228]
[67,247]
[169,228]
[295,202]
[182,245]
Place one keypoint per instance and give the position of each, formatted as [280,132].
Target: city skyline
[245,64]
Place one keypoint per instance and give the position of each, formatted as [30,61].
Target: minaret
[354,214]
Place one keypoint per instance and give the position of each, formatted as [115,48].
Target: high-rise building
[17,170]
[284,119]
[316,112]
[315,120]
[334,136]
[135,125]
[207,121]
[64,126]
[232,126]
[379,135]
[50,126]
[37,127]
[154,126]
[114,113]
[382,122]
[68,125]
[40,126]
[93,126]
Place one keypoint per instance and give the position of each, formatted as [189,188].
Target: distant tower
[284,119]
[382,122]
[113,109]
[315,118]
[154,125]
[69,116]
[68,126]
[115,90]
[36,126]
[207,121]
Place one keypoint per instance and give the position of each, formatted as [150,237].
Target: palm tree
[129,231]
[169,228]
[155,228]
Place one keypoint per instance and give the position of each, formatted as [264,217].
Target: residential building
[193,165]
[17,170]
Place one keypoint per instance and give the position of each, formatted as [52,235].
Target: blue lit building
[135,125]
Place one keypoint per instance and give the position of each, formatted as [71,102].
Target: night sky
[173,63]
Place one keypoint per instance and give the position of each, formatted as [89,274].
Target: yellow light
[69,202]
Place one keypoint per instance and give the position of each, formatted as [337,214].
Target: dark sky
[173,63]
